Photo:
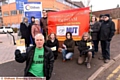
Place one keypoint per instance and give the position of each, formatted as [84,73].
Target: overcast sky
[98,4]
[102,4]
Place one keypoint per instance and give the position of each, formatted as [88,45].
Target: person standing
[32,22]
[107,31]
[53,43]
[35,29]
[39,59]
[43,24]
[25,33]
[101,18]
[94,30]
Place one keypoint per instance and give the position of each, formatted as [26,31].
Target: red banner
[75,21]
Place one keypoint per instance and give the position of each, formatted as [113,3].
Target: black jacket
[95,30]
[107,30]
[83,48]
[29,55]
[52,44]
[25,33]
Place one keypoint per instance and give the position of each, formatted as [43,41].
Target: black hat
[101,15]
[32,17]
[107,15]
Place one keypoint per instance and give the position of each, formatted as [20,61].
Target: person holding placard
[53,43]
[39,59]
[85,47]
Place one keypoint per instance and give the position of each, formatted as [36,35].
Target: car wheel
[4,32]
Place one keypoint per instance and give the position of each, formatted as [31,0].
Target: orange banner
[75,21]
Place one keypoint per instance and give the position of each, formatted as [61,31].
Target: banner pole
[90,16]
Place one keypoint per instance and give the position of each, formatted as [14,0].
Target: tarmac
[68,70]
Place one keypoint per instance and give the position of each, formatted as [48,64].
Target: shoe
[86,59]
[88,65]
[101,58]
[63,60]
[106,60]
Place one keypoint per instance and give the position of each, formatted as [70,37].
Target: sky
[98,4]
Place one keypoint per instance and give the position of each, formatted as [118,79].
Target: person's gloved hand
[17,53]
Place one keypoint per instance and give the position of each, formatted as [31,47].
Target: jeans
[66,55]
[105,45]
[96,42]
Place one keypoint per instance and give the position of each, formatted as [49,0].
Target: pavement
[68,70]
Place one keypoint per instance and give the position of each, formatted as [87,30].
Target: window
[20,11]
[67,3]
[14,12]
[6,13]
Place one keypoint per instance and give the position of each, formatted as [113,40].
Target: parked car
[6,29]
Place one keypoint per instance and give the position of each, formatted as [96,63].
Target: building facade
[12,16]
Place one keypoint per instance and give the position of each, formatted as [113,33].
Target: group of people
[40,57]
[29,30]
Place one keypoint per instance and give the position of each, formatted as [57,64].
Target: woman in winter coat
[25,33]
[53,43]
[35,29]
[68,47]
[94,30]
[85,48]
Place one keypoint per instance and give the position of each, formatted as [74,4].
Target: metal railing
[13,38]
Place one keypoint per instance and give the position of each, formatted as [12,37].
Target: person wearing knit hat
[106,15]
[106,33]
[101,19]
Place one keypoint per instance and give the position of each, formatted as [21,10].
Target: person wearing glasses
[107,31]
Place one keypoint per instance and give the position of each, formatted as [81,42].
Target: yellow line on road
[118,78]
[114,72]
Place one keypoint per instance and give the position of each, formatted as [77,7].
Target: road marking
[118,78]
[114,72]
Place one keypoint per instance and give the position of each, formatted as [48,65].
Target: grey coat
[94,30]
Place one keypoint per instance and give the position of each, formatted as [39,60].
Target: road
[112,73]
[69,70]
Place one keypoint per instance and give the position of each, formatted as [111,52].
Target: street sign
[19,4]
[33,9]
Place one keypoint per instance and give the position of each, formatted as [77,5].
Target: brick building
[114,13]
[12,16]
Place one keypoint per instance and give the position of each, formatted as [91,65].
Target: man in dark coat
[107,31]
[39,59]
[43,24]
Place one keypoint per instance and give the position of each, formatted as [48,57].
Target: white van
[6,29]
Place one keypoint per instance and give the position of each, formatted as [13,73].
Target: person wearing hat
[31,24]
[107,31]
[101,19]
